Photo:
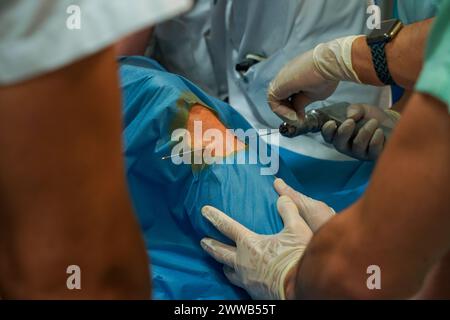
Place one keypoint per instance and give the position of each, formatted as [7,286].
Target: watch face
[388,30]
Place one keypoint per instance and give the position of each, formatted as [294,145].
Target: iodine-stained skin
[210,121]
[167,198]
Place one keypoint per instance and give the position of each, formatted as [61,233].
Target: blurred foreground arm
[401,224]
[63,195]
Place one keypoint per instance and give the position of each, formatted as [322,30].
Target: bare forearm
[342,272]
[63,195]
[405,56]
[401,224]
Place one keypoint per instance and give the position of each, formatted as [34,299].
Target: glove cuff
[292,259]
[334,59]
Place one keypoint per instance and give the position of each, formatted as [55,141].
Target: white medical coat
[35,37]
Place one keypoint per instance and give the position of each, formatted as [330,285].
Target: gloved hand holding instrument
[359,131]
[312,76]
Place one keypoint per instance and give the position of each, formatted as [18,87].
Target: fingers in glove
[355,112]
[329,131]
[376,145]
[300,102]
[315,218]
[285,111]
[288,210]
[280,103]
[221,252]
[284,190]
[361,142]
[226,225]
[344,133]
[291,217]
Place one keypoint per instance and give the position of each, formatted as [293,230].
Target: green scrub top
[435,77]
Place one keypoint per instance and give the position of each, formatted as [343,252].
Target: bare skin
[63,195]
[210,121]
[407,236]
[406,233]
[404,65]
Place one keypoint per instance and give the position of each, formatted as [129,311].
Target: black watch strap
[380,62]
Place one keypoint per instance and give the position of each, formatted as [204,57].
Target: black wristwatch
[377,41]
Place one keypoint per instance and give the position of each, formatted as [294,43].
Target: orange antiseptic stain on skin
[210,121]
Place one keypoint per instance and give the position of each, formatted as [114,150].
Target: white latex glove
[369,142]
[260,263]
[315,213]
[311,77]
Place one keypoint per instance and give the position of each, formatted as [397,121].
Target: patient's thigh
[239,190]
